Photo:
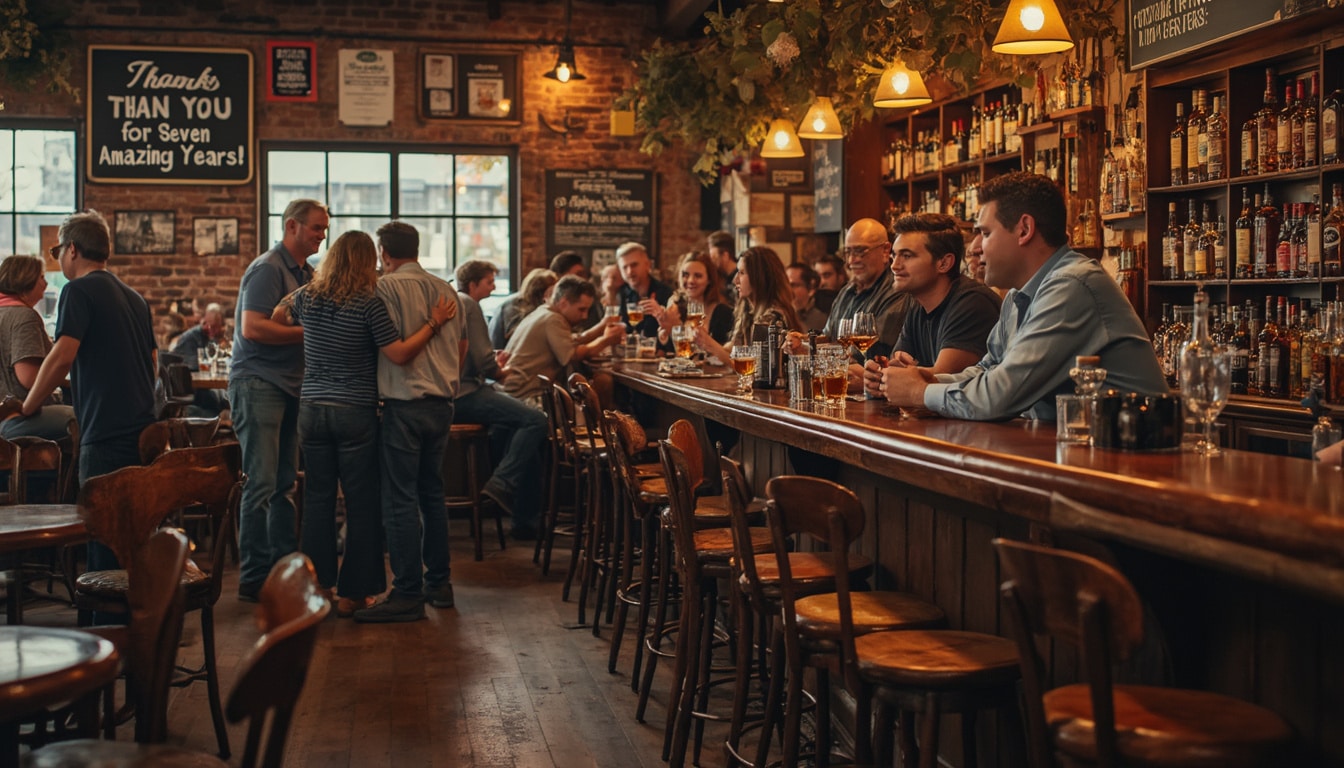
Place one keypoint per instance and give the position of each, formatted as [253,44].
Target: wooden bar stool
[474,441]
[562,478]
[1086,603]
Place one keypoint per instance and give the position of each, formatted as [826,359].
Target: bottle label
[1309,142]
[1169,253]
[1248,150]
[1243,246]
[1202,149]
[1283,259]
[1329,134]
[1284,137]
[1215,153]
[1219,258]
[1192,140]
[1314,241]
[1330,249]
[1201,265]
[1177,155]
[1190,252]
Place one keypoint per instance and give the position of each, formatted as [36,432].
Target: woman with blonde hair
[345,326]
[534,292]
[763,296]
[697,280]
[23,345]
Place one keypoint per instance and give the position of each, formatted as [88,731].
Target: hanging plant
[34,49]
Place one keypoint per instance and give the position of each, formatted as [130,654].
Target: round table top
[44,666]
[31,526]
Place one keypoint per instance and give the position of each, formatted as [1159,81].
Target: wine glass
[695,312]
[1206,381]
[844,333]
[211,354]
[863,331]
[745,357]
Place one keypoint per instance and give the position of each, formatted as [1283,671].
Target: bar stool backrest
[591,408]
[681,506]
[682,434]
[622,434]
[735,488]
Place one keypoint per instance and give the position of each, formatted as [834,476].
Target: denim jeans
[523,428]
[340,444]
[265,419]
[415,436]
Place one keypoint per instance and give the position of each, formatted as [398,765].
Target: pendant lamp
[1032,27]
[901,87]
[781,141]
[821,122]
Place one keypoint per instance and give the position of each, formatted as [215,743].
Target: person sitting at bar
[831,277]
[763,298]
[803,282]
[722,252]
[699,281]
[572,263]
[545,342]
[946,329]
[640,290]
[517,432]
[610,284]
[1062,304]
[205,402]
[534,292]
[23,345]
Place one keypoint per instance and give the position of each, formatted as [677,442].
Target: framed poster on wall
[291,71]
[470,86]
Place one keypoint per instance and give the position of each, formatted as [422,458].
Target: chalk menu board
[593,211]
[170,115]
[1160,29]
[828,183]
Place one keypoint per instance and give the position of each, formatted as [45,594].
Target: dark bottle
[1241,353]
[1283,249]
[1173,257]
[1332,110]
[1266,237]
[1331,229]
[1267,129]
[1268,345]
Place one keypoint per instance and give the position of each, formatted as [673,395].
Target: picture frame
[150,232]
[471,86]
[212,236]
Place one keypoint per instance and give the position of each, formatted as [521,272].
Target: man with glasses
[264,388]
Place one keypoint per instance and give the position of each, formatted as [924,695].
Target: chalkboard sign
[291,71]
[828,182]
[1161,29]
[593,211]
[170,115]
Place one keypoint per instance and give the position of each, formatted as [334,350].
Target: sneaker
[523,532]
[394,609]
[346,606]
[440,597]
[502,499]
[249,593]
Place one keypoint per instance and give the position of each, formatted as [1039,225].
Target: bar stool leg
[928,741]
[653,638]
[771,718]
[473,488]
[576,546]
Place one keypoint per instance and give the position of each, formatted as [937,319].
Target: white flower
[783,51]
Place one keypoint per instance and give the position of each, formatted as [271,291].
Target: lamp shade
[1032,27]
[565,69]
[901,86]
[781,141]
[821,122]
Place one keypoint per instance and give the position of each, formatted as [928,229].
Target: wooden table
[34,526]
[201,380]
[41,667]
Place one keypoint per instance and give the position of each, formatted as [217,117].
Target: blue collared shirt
[1070,307]
[269,278]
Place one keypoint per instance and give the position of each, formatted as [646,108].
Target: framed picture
[214,237]
[145,232]
[470,86]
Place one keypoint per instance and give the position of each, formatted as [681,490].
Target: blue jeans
[340,444]
[50,423]
[519,471]
[415,436]
[265,419]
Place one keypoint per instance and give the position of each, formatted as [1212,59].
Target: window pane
[436,245]
[291,175]
[7,172]
[275,229]
[483,185]
[7,235]
[425,184]
[486,239]
[360,182]
[28,238]
[44,171]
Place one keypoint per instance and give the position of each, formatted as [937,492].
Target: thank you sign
[170,115]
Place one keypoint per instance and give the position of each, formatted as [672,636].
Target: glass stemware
[863,331]
[695,312]
[745,358]
[1206,377]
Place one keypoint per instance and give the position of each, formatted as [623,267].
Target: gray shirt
[269,278]
[409,293]
[480,363]
[1070,307]
[543,345]
[22,337]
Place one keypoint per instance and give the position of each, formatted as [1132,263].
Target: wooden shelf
[1295,175]
[1183,188]
[1041,127]
[1123,216]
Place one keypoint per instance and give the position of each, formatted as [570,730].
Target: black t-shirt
[659,292]
[113,373]
[962,321]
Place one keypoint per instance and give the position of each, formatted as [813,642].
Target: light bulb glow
[818,124]
[901,82]
[781,139]
[1032,18]
[562,72]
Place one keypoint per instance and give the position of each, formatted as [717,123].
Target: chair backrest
[1083,602]
[623,434]
[682,434]
[548,407]
[25,455]
[744,560]
[273,673]
[122,509]
[178,381]
[155,598]
[174,433]
[564,414]
[681,511]
[590,406]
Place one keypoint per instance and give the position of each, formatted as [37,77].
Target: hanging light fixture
[781,141]
[1032,27]
[901,86]
[565,68]
[821,122]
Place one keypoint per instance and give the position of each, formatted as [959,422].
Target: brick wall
[619,30]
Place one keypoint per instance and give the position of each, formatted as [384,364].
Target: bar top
[1284,506]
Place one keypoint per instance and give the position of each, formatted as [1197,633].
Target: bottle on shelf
[1173,259]
[1299,240]
[1250,145]
[1311,121]
[1215,138]
[1268,345]
[1241,245]
[1292,346]
[1213,245]
[1311,339]
[1073,166]
[1253,328]
[1190,245]
[1331,229]
[1196,140]
[1283,249]
[1240,342]
[1312,234]
[1266,236]
[1331,112]
[1284,130]
[1178,137]
[1137,170]
[1109,171]
[1267,129]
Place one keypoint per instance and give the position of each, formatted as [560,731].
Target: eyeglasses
[57,250]
[854,251]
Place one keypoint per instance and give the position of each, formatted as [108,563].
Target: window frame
[75,127]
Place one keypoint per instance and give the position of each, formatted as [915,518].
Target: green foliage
[33,47]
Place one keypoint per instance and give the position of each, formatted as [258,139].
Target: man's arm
[54,369]
[257,327]
[609,336]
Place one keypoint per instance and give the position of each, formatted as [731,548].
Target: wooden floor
[504,679]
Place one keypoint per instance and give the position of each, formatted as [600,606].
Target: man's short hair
[837,263]
[571,288]
[213,308]
[722,241]
[565,261]
[940,232]
[810,277]
[1019,193]
[630,247]
[298,209]
[399,240]
[474,271]
[88,231]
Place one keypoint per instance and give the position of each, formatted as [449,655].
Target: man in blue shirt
[264,386]
[1062,304]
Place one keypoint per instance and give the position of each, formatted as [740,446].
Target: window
[463,203]
[38,184]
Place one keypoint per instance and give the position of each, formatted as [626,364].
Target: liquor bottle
[1278,357]
[1311,338]
[1241,245]
[1253,326]
[1320,353]
[1011,120]
[998,128]
[1297,129]
[1311,115]
[1299,240]
[1283,249]
[1284,130]
[1332,109]
[1172,254]
[973,142]
[1292,344]
[1266,134]
[1138,170]
[1109,171]
[1267,345]
[1073,166]
[1266,236]
[1216,140]
[1196,141]
[1313,236]
[1331,229]
[1250,143]
[1241,354]
[1190,245]
[1213,245]
[1178,147]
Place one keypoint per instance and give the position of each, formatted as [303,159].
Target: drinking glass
[682,336]
[611,310]
[635,313]
[745,358]
[1206,381]
[695,312]
[845,333]
[211,353]
[863,330]
[835,378]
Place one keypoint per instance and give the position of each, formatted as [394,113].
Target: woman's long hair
[348,271]
[713,295]
[769,291]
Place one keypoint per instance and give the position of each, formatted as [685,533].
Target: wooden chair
[1088,604]
[24,458]
[270,680]
[124,507]
[560,470]
[472,442]
[174,433]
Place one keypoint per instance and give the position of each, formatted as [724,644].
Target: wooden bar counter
[1239,557]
